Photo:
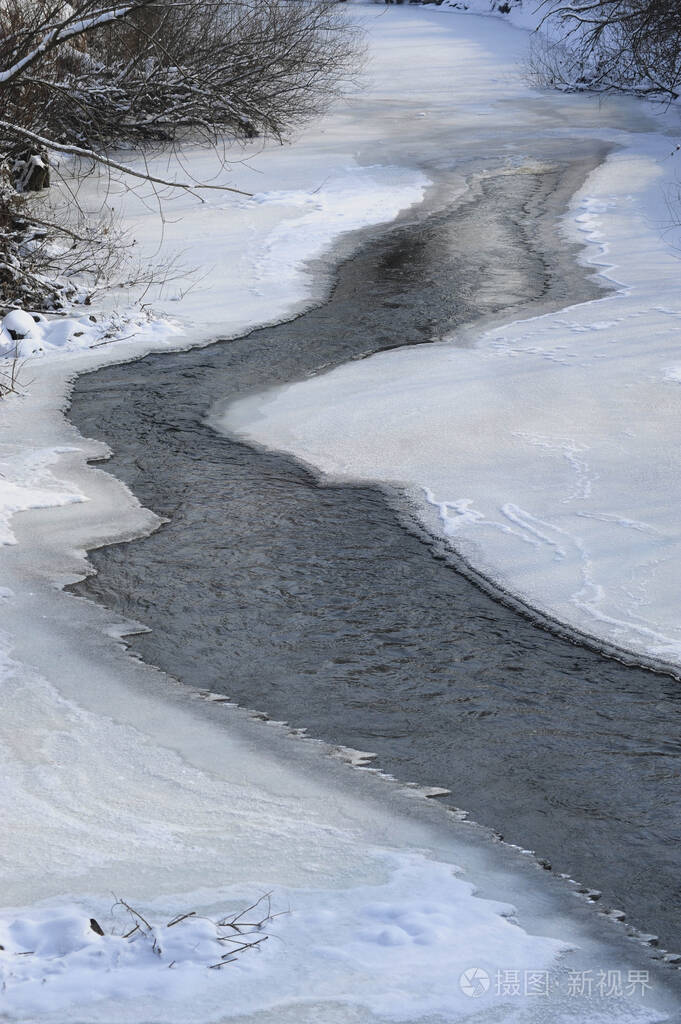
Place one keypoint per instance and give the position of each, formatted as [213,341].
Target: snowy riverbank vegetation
[597,45]
[611,45]
[79,83]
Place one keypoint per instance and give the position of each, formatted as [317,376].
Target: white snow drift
[24,335]
[405,940]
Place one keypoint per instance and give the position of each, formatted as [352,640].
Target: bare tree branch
[100,158]
[89,78]
[606,45]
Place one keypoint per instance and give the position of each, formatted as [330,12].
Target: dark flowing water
[315,603]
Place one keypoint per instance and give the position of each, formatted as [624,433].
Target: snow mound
[24,334]
[63,951]
[396,948]
[673,374]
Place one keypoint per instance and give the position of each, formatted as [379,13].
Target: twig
[192,913]
[134,913]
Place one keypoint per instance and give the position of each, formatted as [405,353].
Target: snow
[229,263]
[403,951]
[17,322]
[24,335]
[291,227]
[527,14]
[118,780]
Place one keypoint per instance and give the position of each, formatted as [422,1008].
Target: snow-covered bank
[116,779]
[398,936]
[520,13]
[196,818]
[26,335]
[223,260]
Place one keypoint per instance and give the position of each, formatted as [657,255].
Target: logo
[474,982]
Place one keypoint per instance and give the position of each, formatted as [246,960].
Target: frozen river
[325,601]
[316,605]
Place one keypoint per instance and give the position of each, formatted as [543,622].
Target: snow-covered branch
[101,158]
[632,45]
